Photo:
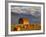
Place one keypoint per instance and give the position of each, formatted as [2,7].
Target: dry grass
[25,27]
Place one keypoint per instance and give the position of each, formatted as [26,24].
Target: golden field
[25,27]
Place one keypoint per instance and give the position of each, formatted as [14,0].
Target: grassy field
[25,27]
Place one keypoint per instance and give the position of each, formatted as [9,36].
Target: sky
[32,12]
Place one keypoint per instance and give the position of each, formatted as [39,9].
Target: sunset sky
[33,13]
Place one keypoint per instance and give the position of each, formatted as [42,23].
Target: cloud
[33,10]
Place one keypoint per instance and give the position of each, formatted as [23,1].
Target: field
[25,27]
